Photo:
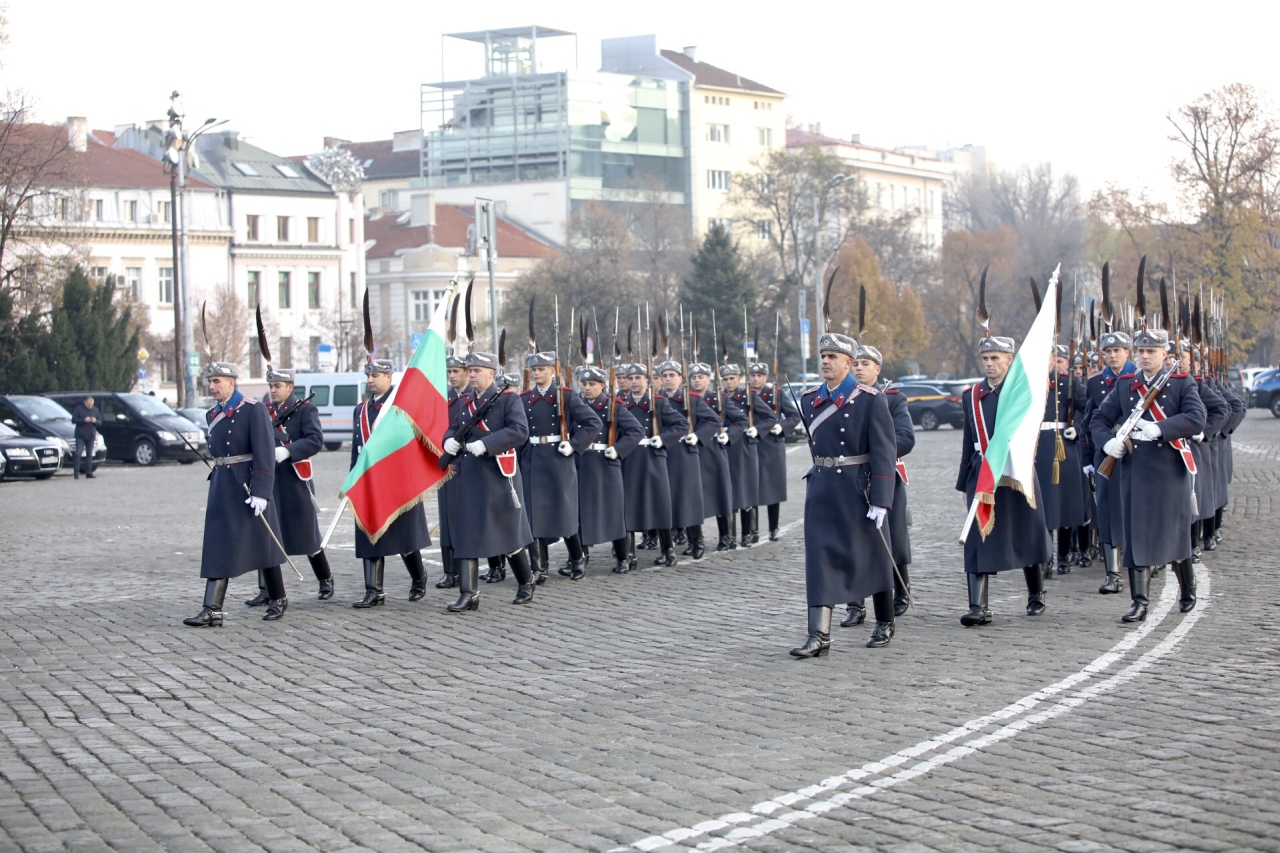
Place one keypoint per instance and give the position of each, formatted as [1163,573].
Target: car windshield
[40,409]
[6,432]
[147,406]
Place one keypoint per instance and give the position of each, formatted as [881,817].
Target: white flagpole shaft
[333,524]
[968,521]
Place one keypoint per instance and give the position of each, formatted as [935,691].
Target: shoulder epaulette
[1179,376]
[968,389]
[250,400]
[1095,374]
[869,389]
[892,391]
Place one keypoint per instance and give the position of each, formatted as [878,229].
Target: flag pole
[968,521]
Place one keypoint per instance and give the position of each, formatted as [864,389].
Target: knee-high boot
[324,575]
[279,602]
[632,562]
[468,586]
[818,642]
[498,569]
[450,578]
[524,576]
[882,606]
[722,530]
[979,613]
[901,591]
[620,555]
[1186,574]
[1064,550]
[210,616]
[755,525]
[261,598]
[1138,579]
[1113,582]
[775,510]
[1035,590]
[417,574]
[745,541]
[697,549]
[373,596]
[668,556]
[577,565]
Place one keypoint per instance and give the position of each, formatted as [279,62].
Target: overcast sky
[1084,85]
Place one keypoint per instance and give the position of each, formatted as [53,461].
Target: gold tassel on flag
[1059,454]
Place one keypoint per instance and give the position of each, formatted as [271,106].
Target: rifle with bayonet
[564,422]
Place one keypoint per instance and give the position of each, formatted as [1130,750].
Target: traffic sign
[415,340]
[193,360]
[143,355]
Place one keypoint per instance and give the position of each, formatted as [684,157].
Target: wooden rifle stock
[1108,465]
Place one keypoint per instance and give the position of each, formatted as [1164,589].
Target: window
[726,224]
[389,199]
[282,229]
[767,106]
[718,133]
[287,170]
[61,207]
[346,395]
[313,229]
[255,287]
[351,232]
[353,290]
[129,211]
[164,212]
[764,184]
[166,286]
[97,209]
[133,281]
[764,229]
[932,203]
[764,136]
[313,290]
[425,303]
[285,301]
[251,227]
[716,100]
[98,273]
[246,170]
[718,179]
[286,353]
[255,358]
[321,397]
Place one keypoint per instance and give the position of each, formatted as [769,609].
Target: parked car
[1266,393]
[33,416]
[141,428]
[1249,376]
[932,406]
[28,457]
[336,396]
[196,416]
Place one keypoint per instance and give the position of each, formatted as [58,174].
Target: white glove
[1088,470]
[452,446]
[752,432]
[565,448]
[1146,431]
[877,514]
[722,438]
[656,442]
[691,440]
[776,429]
[1198,437]
[644,442]
[256,504]
[282,454]
[1069,433]
[1114,448]
[476,448]
[611,452]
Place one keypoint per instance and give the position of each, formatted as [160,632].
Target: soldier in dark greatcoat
[549,466]
[486,518]
[299,436]
[1213,530]
[644,472]
[714,435]
[772,450]
[408,533]
[1205,449]
[601,495]
[1106,496]
[456,372]
[1064,500]
[235,541]
[1155,470]
[683,463]
[847,497]
[1019,539]
[759,418]
[866,369]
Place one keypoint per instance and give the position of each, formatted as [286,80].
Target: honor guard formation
[1128,464]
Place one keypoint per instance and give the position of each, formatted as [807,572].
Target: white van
[336,397]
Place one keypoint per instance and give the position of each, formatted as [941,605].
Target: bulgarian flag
[1010,457]
[397,467]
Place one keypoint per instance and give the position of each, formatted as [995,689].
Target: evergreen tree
[91,343]
[720,281]
[24,367]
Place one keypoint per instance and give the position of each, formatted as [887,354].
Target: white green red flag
[1010,457]
[398,465]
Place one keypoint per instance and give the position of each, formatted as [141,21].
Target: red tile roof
[392,233]
[98,165]
[709,75]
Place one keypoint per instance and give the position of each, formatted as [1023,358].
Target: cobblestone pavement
[653,711]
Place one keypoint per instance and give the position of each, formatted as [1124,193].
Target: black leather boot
[210,616]
[733,531]
[745,541]
[577,557]
[1064,550]
[468,586]
[697,549]
[450,579]
[620,555]
[524,576]
[275,588]
[755,525]
[678,537]
[882,604]
[819,639]
[632,562]
[979,613]
[648,541]
[324,575]
[261,598]
[775,510]
[1046,570]
[373,596]
[855,613]
[1084,561]
[901,591]
[668,556]
[497,570]
[417,575]
[1138,580]
[1186,574]
[1035,590]
[1113,583]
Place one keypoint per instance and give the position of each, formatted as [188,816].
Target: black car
[141,428]
[33,416]
[28,457]
[198,417]
[1265,393]
[932,405]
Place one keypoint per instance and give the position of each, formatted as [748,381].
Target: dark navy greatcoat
[845,557]
[550,479]
[685,472]
[905,435]
[235,541]
[601,494]
[1019,537]
[1210,478]
[772,449]
[1106,499]
[298,428]
[1064,503]
[409,532]
[1238,409]
[746,456]
[644,472]
[713,460]
[448,486]
[1153,472]
[484,517]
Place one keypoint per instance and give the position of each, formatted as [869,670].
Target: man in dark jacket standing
[86,417]
[772,450]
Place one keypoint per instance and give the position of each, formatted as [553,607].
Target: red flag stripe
[395,481]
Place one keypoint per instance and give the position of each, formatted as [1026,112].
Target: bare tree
[227,326]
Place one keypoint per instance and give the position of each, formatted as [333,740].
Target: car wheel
[144,452]
[1275,406]
[332,445]
[929,420]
